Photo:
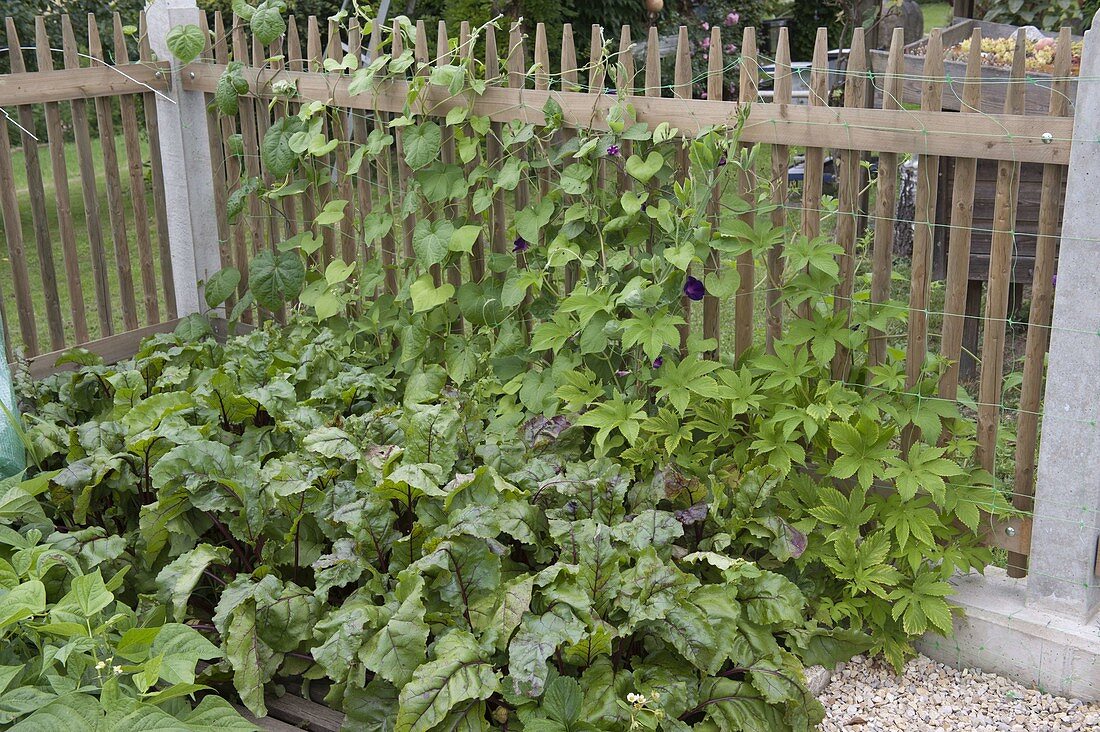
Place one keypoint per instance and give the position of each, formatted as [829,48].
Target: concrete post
[1061,576]
[185,154]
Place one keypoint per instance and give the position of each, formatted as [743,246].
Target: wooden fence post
[1062,576]
[185,150]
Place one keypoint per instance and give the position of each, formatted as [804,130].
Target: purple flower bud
[658,362]
[520,245]
[722,161]
[622,372]
[1054,281]
[693,288]
[613,150]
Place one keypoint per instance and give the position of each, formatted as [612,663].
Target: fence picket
[711,305]
[403,172]
[924,222]
[516,65]
[569,81]
[42,238]
[1000,276]
[13,230]
[83,142]
[781,86]
[115,206]
[420,53]
[882,256]
[293,55]
[850,184]
[958,246]
[56,141]
[233,169]
[341,126]
[681,89]
[625,67]
[382,168]
[249,136]
[494,149]
[542,83]
[998,283]
[749,84]
[272,225]
[363,203]
[444,57]
[135,168]
[466,43]
[219,158]
[314,61]
[813,176]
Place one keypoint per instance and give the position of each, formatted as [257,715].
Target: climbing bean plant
[532,495]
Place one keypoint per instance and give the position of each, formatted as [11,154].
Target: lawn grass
[83,248]
[937,15]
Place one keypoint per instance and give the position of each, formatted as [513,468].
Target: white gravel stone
[865,695]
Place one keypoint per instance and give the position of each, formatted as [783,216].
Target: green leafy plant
[74,655]
[537,498]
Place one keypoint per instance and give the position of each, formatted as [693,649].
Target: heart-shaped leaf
[643,170]
[421,144]
[425,295]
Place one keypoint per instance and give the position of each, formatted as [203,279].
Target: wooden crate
[1026,228]
[994,78]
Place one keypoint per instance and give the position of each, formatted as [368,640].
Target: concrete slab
[1001,633]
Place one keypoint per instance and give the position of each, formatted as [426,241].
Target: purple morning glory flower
[1054,281]
[693,288]
[658,362]
[520,245]
[613,150]
[721,161]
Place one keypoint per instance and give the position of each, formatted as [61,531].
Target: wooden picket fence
[852,128]
[98,295]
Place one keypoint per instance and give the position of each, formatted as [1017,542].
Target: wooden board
[996,137]
[997,288]
[960,238]
[59,168]
[882,255]
[40,87]
[42,239]
[111,349]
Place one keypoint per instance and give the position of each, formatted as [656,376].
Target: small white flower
[101,665]
[118,669]
[632,697]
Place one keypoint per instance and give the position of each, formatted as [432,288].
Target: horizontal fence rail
[991,137]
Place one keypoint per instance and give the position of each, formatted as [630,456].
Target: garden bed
[505,482]
[994,77]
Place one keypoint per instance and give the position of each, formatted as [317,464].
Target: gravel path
[866,696]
